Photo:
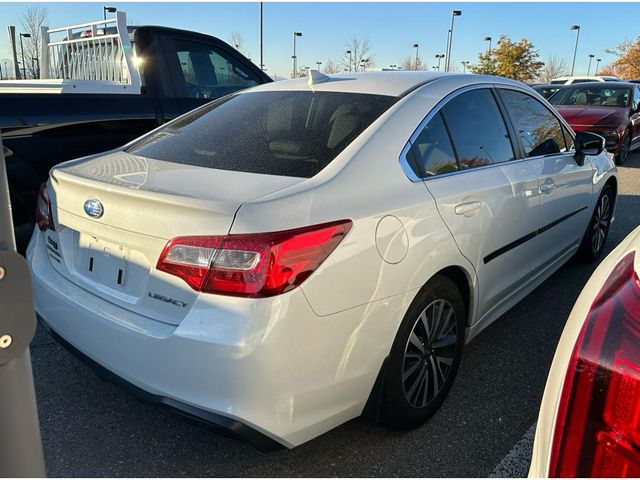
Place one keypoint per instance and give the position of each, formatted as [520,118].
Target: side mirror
[587,143]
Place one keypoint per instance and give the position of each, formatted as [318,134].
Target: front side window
[431,151]
[209,72]
[290,133]
[539,129]
[477,129]
[636,98]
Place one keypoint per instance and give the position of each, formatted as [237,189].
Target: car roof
[608,84]
[547,85]
[390,83]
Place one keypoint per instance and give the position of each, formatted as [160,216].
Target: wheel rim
[429,353]
[624,148]
[600,224]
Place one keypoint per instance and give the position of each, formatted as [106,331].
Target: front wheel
[625,148]
[425,355]
[596,235]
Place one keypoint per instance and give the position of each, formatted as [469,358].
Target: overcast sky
[392,28]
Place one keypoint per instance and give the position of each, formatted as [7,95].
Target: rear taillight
[44,217]
[597,431]
[252,265]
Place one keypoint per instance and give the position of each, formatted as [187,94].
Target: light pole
[363,64]
[349,52]
[439,56]
[318,64]
[6,69]
[447,63]
[591,56]
[575,50]
[24,66]
[415,45]
[598,60]
[261,44]
[488,39]
[295,59]
[464,66]
[108,9]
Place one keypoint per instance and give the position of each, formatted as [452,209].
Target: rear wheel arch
[462,280]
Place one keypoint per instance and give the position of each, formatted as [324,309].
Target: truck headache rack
[93,57]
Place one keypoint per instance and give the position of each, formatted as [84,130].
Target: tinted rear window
[289,133]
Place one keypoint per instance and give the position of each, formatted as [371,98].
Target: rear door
[464,154]
[565,188]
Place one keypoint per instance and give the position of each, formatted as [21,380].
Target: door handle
[468,208]
[547,186]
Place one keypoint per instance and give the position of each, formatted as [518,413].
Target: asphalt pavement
[93,428]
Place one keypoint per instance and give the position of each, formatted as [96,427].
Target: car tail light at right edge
[252,265]
[597,430]
[44,216]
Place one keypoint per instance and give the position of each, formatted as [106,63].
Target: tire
[410,396]
[625,148]
[595,237]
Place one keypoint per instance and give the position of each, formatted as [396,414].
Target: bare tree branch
[361,56]
[31,20]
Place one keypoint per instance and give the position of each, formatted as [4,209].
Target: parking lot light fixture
[295,59]
[575,50]
[349,52]
[591,56]
[488,39]
[415,45]
[109,10]
[439,56]
[598,60]
[464,66]
[447,63]
[318,64]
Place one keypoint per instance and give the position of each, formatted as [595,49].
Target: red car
[610,109]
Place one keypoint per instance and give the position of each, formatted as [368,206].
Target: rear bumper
[182,411]
[265,369]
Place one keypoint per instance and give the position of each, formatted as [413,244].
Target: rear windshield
[289,133]
[599,95]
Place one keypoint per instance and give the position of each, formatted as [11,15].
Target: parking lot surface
[93,428]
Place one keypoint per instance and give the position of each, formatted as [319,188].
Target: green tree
[517,60]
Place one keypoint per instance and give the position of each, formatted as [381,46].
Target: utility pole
[21,451]
[261,38]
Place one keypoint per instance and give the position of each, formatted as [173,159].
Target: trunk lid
[115,213]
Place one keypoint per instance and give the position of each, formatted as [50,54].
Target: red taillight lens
[252,265]
[44,217]
[597,431]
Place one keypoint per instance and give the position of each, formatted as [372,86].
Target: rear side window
[539,129]
[209,72]
[288,133]
[431,151]
[478,131]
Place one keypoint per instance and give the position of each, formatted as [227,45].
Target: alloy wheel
[429,353]
[600,224]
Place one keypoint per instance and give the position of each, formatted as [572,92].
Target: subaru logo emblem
[93,208]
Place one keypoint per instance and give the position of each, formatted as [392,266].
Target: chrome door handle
[468,208]
[547,186]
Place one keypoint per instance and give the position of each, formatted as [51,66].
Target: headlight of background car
[611,137]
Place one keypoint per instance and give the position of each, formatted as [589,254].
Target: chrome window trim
[411,175]
[404,163]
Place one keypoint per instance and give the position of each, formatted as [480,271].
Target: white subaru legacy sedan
[276,261]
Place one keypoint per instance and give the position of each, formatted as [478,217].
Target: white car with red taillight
[278,259]
[589,422]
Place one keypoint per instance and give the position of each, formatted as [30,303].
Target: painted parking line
[515,464]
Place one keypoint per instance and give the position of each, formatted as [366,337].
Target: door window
[432,151]
[539,129]
[636,98]
[209,72]
[478,131]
